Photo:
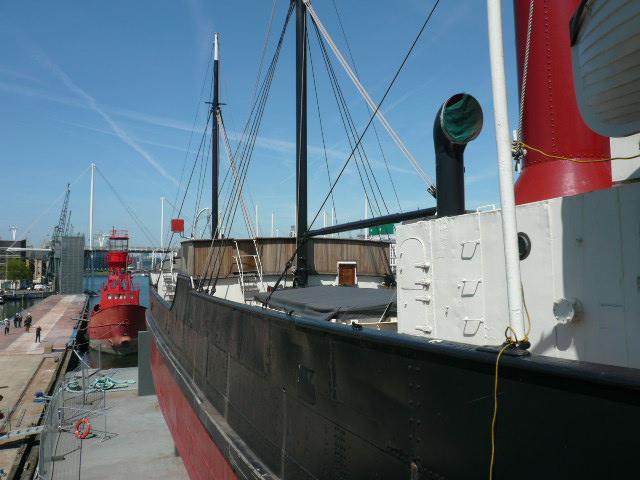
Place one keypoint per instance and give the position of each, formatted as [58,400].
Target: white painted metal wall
[622,170]
[451,276]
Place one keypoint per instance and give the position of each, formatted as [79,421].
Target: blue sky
[118,83]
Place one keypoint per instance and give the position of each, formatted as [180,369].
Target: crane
[58,231]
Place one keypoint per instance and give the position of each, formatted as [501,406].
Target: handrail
[239,265]
[258,264]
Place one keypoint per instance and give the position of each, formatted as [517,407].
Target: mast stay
[372,105]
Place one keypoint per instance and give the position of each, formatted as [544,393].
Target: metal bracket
[463,284]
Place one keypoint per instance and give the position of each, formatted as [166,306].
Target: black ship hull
[281,397]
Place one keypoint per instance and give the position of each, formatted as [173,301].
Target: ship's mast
[215,138]
[301,144]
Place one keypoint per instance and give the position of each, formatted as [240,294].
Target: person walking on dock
[38,330]
[19,319]
[7,324]
[27,322]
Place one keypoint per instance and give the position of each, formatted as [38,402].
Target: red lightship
[116,320]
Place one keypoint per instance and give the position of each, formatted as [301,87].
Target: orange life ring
[83,428]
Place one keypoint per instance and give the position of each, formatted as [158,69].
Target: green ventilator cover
[461,119]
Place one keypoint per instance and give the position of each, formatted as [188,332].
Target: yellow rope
[495,410]
[510,341]
[572,159]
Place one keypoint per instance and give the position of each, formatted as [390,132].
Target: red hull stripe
[114,322]
[202,458]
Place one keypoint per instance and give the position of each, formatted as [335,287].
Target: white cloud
[110,132]
[12,72]
[20,89]
[91,103]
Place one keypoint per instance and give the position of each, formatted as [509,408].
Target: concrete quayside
[128,439]
[28,367]
[47,387]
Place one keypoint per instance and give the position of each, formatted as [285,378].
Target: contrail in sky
[91,103]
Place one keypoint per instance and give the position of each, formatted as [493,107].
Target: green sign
[388,229]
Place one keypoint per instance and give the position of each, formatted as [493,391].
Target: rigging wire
[244,149]
[264,51]
[254,103]
[341,110]
[186,191]
[143,228]
[195,163]
[324,146]
[517,151]
[354,78]
[204,168]
[195,119]
[386,93]
[246,154]
[375,128]
[233,169]
[49,207]
[352,134]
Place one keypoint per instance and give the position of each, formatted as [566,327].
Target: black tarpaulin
[327,302]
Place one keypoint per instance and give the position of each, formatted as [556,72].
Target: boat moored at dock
[117,318]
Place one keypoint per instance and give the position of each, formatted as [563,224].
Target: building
[39,262]
[6,256]
[70,260]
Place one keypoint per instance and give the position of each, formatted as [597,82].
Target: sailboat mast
[215,138]
[301,143]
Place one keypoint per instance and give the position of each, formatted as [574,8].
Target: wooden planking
[371,256]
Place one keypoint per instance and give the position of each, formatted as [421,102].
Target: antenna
[91,195]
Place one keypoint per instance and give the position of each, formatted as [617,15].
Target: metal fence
[60,451]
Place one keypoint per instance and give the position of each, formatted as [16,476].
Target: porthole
[524,245]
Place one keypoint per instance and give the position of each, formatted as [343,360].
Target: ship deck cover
[328,302]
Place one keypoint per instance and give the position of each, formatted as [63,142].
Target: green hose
[108,383]
[100,384]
